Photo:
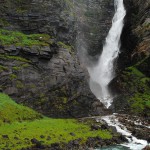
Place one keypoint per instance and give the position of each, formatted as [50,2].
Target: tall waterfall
[103,72]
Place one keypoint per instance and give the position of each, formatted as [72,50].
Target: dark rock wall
[94,19]
[133,80]
[40,16]
[50,78]
[56,86]
[136,31]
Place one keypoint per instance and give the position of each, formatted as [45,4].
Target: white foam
[133,142]
[103,72]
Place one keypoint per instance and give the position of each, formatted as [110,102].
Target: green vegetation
[19,85]
[139,99]
[3,68]
[7,57]
[11,111]
[140,102]
[63,45]
[20,124]
[13,76]
[16,68]
[20,39]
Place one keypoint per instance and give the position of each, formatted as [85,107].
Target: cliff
[39,66]
[41,42]
[133,78]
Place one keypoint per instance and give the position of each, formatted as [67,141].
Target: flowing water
[133,142]
[103,72]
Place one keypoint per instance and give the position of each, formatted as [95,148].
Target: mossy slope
[16,135]
[138,95]
[11,111]
[20,39]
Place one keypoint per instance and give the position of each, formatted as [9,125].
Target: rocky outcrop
[138,126]
[48,79]
[91,143]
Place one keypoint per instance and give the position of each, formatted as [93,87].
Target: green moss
[63,45]
[20,39]
[32,86]
[135,72]
[25,65]
[145,80]
[19,85]
[42,98]
[58,129]
[11,111]
[16,68]
[7,57]
[21,133]
[21,10]
[12,76]
[139,102]
[135,83]
[65,100]
[3,68]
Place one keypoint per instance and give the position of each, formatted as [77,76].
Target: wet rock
[146,148]
[34,50]
[48,138]
[11,91]
[16,138]
[74,143]
[72,134]
[122,138]
[42,136]
[55,146]
[36,143]
[95,127]
[104,126]
[5,136]
[114,130]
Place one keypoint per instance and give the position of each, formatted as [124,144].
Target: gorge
[102,74]
[49,52]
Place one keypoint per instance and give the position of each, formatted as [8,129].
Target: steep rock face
[53,17]
[133,81]
[94,19]
[49,77]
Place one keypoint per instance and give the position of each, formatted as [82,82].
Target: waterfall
[103,72]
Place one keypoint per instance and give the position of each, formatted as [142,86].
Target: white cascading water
[133,142]
[103,72]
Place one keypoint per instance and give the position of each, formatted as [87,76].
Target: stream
[133,142]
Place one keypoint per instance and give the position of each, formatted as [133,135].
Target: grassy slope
[137,82]
[11,111]
[23,126]
[20,39]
